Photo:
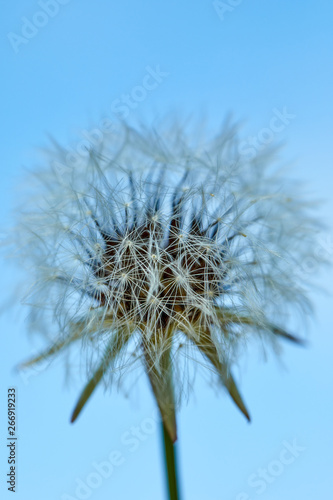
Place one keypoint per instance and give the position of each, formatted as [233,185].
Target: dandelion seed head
[157,247]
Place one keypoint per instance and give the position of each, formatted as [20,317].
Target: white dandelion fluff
[168,246]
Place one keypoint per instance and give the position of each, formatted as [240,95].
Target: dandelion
[164,252]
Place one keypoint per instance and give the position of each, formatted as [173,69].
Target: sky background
[62,77]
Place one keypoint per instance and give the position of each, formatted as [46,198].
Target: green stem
[170,465]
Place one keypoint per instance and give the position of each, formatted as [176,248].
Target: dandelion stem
[170,465]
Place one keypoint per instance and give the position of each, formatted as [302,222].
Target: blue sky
[66,66]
